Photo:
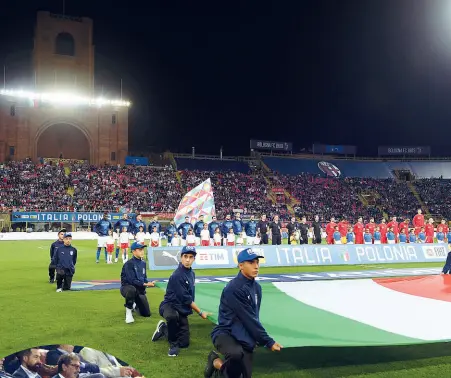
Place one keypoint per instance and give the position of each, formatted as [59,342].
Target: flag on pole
[198,201]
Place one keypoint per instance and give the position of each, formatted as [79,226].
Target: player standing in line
[124,239]
[118,226]
[198,227]
[58,243]
[183,230]
[178,304]
[154,224]
[395,227]
[155,238]
[342,229]
[225,227]
[371,226]
[358,231]
[429,231]
[251,230]
[217,238]
[212,227]
[110,246]
[205,236]
[101,229]
[330,229]
[383,229]
[418,221]
[444,227]
[171,231]
[239,329]
[237,225]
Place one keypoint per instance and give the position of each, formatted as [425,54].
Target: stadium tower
[59,116]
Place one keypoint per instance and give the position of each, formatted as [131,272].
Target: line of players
[387,233]
[230,232]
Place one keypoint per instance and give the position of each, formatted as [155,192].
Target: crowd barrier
[283,255]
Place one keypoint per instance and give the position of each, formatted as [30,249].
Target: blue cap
[188,250]
[67,235]
[248,255]
[137,245]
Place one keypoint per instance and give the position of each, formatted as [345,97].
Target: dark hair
[25,353]
[66,359]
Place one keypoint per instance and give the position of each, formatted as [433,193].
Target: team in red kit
[404,232]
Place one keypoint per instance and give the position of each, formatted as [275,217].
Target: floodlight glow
[63,98]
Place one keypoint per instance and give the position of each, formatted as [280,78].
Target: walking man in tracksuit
[58,243]
[178,303]
[239,329]
[134,283]
[64,260]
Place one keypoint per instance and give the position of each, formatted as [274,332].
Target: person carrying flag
[239,329]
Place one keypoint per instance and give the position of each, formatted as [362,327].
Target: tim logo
[434,252]
[329,169]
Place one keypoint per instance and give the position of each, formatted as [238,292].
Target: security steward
[134,283]
[292,227]
[276,235]
[58,243]
[64,260]
[239,330]
[178,304]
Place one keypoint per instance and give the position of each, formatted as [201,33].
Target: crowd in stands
[25,186]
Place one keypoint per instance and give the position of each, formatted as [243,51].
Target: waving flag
[198,201]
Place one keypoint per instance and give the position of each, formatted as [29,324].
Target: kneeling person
[178,303]
[64,261]
[239,329]
[134,283]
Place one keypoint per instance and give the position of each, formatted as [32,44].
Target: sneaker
[59,290]
[115,260]
[160,331]
[210,368]
[128,316]
[97,261]
[173,351]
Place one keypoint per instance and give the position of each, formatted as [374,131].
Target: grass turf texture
[34,314]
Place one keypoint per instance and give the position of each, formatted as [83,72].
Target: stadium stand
[28,186]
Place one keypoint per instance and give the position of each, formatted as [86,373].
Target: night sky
[211,73]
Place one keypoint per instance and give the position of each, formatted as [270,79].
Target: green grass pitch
[32,313]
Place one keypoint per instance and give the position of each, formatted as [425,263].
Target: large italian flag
[358,312]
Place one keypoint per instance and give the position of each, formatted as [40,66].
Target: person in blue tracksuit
[184,228]
[64,260]
[391,238]
[101,229]
[58,243]
[171,230]
[137,223]
[237,225]
[251,231]
[134,283]
[225,227]
[199,226]
[178,304]
[212,226]
[440,235]
[239,329]
[119,226]
[153,224]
